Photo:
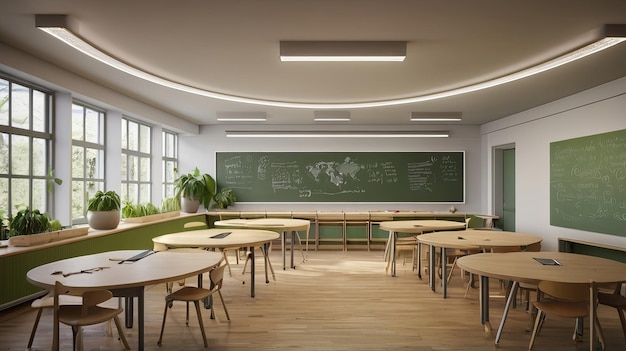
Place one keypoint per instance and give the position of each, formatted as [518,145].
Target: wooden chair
[616,300]
[45,302]
[87,313]
[195,295]
[567,300]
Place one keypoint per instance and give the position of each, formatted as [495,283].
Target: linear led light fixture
[336,134]
[56,25]
[241,116]
[369,51]
[331,116]
[436,116]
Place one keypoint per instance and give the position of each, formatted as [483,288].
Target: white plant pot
[188,205]
[103,220]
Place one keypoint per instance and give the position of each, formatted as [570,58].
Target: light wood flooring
[334,301]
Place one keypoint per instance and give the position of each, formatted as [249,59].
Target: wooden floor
[334,301]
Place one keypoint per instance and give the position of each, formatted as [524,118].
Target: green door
[508,190]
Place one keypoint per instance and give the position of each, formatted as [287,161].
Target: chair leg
[197,303]
[223,304]
[227,263]
[535,329]
[167,303]
[120,332]
[75,331]
[32,333]
[620,312]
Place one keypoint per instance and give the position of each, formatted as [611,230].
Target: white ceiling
[231,47]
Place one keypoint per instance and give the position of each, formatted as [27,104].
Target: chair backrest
[565,291]
[502,249]
[195,225]
[467,222]
[90,297]
[217,276]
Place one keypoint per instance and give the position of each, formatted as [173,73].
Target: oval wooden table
[281,225]
[469,239]
[127,279]
[522,267]
[415,227]
[221,239]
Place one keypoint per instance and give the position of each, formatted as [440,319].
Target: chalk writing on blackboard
[342,176]
[588,183]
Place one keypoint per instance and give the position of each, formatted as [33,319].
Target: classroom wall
[598,110]
[212,139]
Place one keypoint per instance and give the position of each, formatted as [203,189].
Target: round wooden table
[281,225]
[221,239]
[415,227]
[126,279]
[467,240]
[522,267]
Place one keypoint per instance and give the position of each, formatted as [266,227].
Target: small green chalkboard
[343,176]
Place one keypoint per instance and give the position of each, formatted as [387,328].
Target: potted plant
[142,213]
[194,189]
[103,210]
[224,198]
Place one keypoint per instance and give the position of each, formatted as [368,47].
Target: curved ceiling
[231,47]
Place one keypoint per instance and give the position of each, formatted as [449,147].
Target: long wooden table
[414,227]
[213,239]
[126,279]
[282,225]
[469,239]
[522,267]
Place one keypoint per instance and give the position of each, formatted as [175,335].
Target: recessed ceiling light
[436,116]
[241,116]
[331,116]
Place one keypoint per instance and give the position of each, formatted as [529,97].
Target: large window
[170,162]
[25,146]
[87,157]
[136,161]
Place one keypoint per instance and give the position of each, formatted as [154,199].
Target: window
[170,162]
[136,161]
[25,146]
[87,157]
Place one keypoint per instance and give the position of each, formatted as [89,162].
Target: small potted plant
[194,189]
[103,210]
[224,198]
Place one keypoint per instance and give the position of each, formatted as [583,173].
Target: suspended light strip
[336,134]
[343,51]
[77,43]
[342,58]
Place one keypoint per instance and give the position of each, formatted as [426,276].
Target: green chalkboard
[588,183]
[343,176]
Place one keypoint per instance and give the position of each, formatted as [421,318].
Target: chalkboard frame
[455,196]
[588,183]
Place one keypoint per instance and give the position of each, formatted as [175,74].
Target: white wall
[598,110]
[200,151]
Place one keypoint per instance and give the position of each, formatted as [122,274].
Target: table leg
[444,274]
[419,260]
[128,311]
[140,318]
[432,263]
[509,303]
[293,238]
[593,299]
[252,269]
[484,302]
[283,244]
[392,237]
